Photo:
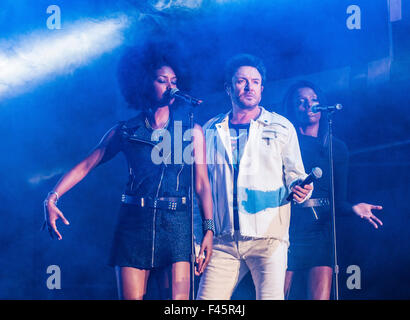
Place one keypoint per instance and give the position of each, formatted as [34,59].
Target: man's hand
[300,193]
[364,210]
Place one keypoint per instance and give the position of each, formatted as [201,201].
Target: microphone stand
[193,103]
[191,207]
[332,206]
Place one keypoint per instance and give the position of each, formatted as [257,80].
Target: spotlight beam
[32,58]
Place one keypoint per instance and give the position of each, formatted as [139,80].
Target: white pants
[233,257]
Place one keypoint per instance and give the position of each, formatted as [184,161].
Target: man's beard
[245,106]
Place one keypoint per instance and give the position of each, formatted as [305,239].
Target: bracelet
[49,194]
[47,201]
[53,192]
[208,224]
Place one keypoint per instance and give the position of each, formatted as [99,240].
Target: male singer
[254,162]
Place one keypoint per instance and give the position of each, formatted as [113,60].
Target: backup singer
[310,248]
[153,229]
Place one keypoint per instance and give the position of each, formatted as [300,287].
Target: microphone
[315,174]
[176,93]
[318,107]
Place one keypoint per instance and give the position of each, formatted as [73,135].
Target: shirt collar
[265,117]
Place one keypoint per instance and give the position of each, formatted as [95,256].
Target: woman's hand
[51,215]
[206,247]
[69,180]
[364,210]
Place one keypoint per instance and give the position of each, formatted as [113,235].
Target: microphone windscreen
[314,108]
[173,91]
[317,172]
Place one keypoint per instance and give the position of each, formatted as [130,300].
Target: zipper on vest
[132,178]
[180,170]
[154,219]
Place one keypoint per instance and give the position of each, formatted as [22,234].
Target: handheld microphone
[315,174]
[318,107]
[176,93]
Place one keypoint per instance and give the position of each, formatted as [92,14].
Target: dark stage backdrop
[50,123]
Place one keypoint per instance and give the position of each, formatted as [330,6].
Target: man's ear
[227,89]
[262,88]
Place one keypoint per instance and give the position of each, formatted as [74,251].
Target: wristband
[208,224]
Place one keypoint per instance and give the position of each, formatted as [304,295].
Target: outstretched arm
[68,181]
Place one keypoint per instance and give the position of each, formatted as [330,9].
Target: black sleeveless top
[158,160]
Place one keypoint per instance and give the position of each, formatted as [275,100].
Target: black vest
[156,163]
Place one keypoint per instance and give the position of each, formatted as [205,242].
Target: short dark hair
[240,60]
[136,70]
[289,102]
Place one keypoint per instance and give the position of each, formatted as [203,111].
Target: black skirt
[310,240]
[147,238]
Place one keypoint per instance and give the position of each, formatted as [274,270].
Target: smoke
[167,4]
[38,178]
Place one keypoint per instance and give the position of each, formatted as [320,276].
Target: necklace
[148,125]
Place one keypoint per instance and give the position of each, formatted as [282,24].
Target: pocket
[268,137]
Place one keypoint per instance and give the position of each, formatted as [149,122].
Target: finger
[198,266]
[377,207]
[304,192]
[197,273]
[200,258]
[207,258]
[297,193]
[54,228]
[306,188]
[299,190]
[297,198]
[63,218]
[60,214]
[309,187]
[377,219]
[373,223]
[201,265]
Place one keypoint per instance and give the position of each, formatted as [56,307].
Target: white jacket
[270,165]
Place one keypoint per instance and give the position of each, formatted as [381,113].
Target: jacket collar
[264,118]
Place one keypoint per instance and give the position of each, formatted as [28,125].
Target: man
[254,162]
